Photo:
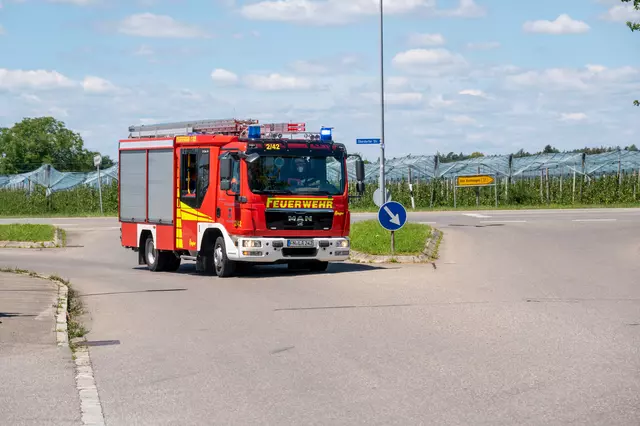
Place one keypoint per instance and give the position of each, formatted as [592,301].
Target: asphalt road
[529,318]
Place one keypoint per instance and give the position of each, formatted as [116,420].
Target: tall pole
[383,190]
[100,190]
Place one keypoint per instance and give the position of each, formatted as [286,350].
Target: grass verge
[370,238]
[26,233]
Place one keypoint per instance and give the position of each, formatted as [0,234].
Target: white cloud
[97,85]
[396,83]
[466,9]
[159,26]
[336,12]
[334,65]
[591,77]
[33,79]
[395,98]
[622,13]
[463,120]
[428,61]
[224,77]
[76,2]
[486,45]
[573,116]
[417,39]
[563,24]
[277,82]
[473,92]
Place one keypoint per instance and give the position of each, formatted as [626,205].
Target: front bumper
[274,250]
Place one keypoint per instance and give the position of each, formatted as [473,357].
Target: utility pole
[383,190]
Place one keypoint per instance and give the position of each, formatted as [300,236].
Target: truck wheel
[224,267]
[156,260]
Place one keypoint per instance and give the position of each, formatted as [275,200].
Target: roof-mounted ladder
[232,126]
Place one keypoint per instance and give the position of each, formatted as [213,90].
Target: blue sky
[461,75]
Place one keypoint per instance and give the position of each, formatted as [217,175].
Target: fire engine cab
[229,193]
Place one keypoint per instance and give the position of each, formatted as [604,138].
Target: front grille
[299,252]
[299,220]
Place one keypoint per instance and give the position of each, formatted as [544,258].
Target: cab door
[228,210]
[194,175]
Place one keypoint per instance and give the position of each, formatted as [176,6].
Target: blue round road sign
[392,216]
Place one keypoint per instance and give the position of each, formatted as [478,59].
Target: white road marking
[427,223]
[594,220]
[478,215]
[100,228]
[503,221]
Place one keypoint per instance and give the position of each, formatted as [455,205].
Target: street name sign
[475,180]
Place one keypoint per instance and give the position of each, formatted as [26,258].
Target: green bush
[79,201]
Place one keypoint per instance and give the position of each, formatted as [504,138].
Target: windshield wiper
[274,191]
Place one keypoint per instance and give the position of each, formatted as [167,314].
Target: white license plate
[300,243]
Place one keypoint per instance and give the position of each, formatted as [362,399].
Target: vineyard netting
[544,179]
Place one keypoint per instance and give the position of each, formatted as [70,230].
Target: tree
[550,150]
[634,26]
[44,140]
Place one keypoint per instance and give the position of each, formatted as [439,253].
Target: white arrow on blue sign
[392,216]
[368,141]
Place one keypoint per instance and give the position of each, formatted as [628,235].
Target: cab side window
[194,176]
[235,179]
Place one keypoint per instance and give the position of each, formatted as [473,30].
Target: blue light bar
[254,132]
[325,134]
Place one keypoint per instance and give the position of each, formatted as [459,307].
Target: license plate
[300,243]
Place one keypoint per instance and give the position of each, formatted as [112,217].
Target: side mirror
[226,171]
[360,176]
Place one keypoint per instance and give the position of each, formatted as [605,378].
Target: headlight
[343,243]
[251,243]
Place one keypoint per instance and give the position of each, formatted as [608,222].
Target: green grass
[370,238]
[26,233]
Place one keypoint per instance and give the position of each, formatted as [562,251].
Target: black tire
[223,266]
[156,260]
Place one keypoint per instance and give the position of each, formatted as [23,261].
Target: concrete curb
[90,405]
[62,336]
[428,255]
[56,242]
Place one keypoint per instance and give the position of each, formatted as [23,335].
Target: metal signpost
[382,177]
[97,160]
[392,216]
[473,181]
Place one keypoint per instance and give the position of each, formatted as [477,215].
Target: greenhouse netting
[420,168]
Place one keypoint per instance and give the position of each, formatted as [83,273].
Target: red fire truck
[229,193]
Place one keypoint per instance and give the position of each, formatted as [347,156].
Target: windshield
[309,175]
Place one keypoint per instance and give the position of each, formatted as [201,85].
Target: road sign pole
[382,177]
[97,160]
[100,191]
[392,216]
[393,243]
